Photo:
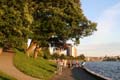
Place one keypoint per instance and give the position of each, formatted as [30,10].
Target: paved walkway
[75,74]
[6,66]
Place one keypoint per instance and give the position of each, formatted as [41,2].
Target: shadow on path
[80,74]
[75,74]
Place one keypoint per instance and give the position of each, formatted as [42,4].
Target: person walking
[77,63]
[60,66]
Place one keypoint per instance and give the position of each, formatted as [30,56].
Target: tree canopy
[61,18]
[14,27]
[42,19]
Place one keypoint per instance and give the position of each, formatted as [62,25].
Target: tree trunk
[37,50]
[31,48]
[1,50]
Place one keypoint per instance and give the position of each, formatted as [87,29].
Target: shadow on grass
[47,70]
[3,78]
[53,65]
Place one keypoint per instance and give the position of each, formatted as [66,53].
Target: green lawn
[39,68]
[4,76]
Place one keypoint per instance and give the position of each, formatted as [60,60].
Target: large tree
[61,18]
[42,19]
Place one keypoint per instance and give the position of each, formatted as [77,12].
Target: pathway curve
[75,74]
[6,66]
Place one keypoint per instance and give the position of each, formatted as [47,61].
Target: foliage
[13,23]
[61,18]
[4,76]
[42,19]
[70,57]
[39,68]
[62,56]
[81,57]
[116,58]
[46,53]
[41,53]
[55,56]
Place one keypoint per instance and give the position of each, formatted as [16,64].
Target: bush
[81,57]
[46,53]
[55,56]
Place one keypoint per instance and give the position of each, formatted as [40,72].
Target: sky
[106,40]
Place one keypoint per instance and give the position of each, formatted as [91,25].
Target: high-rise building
[74,51]
[69,50]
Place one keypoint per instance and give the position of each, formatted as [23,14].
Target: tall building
[68,50]
[74,51]
[71,50]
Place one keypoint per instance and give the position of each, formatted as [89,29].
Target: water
[108,69]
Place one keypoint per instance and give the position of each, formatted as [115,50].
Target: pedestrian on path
[60,66]
[64,63]
[69,63]
[77,63]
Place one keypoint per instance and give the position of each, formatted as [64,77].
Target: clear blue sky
[106,41]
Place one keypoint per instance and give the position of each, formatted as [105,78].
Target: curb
[96,74]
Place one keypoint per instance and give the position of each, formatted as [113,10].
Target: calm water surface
[108,69]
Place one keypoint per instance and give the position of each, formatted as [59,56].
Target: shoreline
[96,74]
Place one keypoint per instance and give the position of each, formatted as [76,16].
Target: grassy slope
[4,76]
[39,68]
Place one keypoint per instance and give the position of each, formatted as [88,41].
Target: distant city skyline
[105,41]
